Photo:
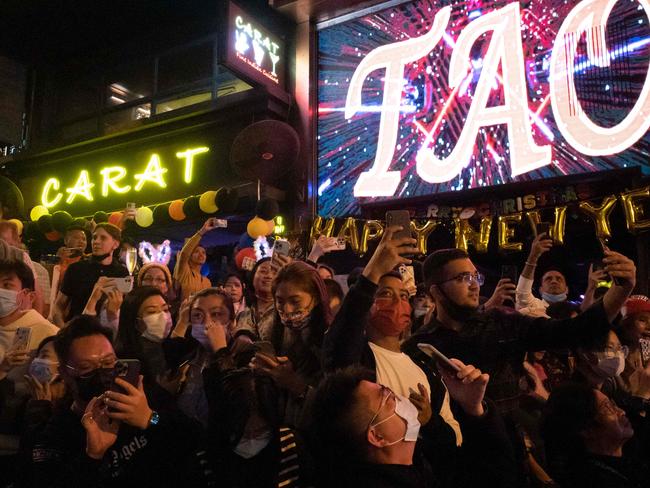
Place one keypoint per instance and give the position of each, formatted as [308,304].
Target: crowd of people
[286,377]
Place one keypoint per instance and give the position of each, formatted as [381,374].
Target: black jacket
[497,341]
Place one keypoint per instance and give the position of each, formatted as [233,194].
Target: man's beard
[459,313]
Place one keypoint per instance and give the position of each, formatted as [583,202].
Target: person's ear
[374,438]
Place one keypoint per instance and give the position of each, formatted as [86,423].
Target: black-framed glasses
[467,278]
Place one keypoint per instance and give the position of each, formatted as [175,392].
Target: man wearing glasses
[106,437]
[367,434]
[496,341]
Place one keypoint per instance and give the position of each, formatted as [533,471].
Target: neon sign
[487,98]
[253,51]
[114,180]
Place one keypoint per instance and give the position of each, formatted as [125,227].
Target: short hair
[45,342]
[23,272]
[218,292]
[73,227]
[433,266]
[77,328]
[335,417]
[112,230]
[562,310]
[334,290]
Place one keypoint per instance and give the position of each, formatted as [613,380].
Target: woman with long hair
[145,321]
[258,316]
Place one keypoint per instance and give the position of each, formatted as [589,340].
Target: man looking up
[187,272]
[80,277]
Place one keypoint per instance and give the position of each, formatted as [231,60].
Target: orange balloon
[115,218]
[176,210]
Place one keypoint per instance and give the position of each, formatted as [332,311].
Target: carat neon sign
[505,49]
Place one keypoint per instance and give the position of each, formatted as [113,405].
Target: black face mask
[99,258]
[95,384]
[459,313]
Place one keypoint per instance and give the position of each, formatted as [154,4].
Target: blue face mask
[552,298]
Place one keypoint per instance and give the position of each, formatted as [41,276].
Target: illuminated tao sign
[505,49]
[113,180]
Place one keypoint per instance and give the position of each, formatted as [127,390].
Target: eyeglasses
[610,352]
[467,278]
[386,393]
[107,362]
[157,281]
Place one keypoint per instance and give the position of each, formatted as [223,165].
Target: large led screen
[427,97]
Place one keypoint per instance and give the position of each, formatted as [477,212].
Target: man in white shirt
[553,286]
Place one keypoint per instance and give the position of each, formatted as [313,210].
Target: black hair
[72,227]
[334,290]
[433,266]
[570,410]
[77,328]
[250,289]
[23,272]
[213,291]
[337,429]
[562,310]
[129,341]
[44,343]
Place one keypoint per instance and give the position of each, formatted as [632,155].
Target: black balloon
[100,217]
[61,220]
[45,224]
[229,201]
[161,214]
[191,207]
[267,209]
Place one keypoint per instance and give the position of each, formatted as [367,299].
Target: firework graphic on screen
[432,114]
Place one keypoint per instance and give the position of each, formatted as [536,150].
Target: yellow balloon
[634,210]
[506,232]
[257,227]
[349,233]
[320,227]
[37,212]
[422,234]
[144,216]
[372,230]
[207,202]
[465,234]
[600,215]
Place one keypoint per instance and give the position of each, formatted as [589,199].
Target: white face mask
[41,369]
[248,448]
[158,326]
[553,298]
[8,302]
[609,367]
[198,332]
[407,411]
[419,312]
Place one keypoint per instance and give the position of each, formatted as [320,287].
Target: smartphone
[130,205]
[401,218]
[544,228]
[125,285]
[408,278]
[602,244]
[439,357]
[248,263]
[265,347]
[510,272]
[339,245]
[281,246]
[22,338]
[129,371]
[74,252]
[220,223]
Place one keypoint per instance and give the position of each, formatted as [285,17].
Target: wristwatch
[154,419]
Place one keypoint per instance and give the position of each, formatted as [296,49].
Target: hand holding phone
[127,370]
[509,272]
[442,360]
[125,284]
[401,218]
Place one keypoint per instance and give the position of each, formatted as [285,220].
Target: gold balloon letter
[318,229]
[372,230]
[634,210]
[349,233]
[506,232]
[600,215]
[466,234]
[422,234]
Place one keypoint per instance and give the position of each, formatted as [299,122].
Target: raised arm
[524,292]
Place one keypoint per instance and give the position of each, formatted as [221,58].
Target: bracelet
[534,265]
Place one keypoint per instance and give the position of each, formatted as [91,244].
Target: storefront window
[182,101]
[123,119]
[129,82]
